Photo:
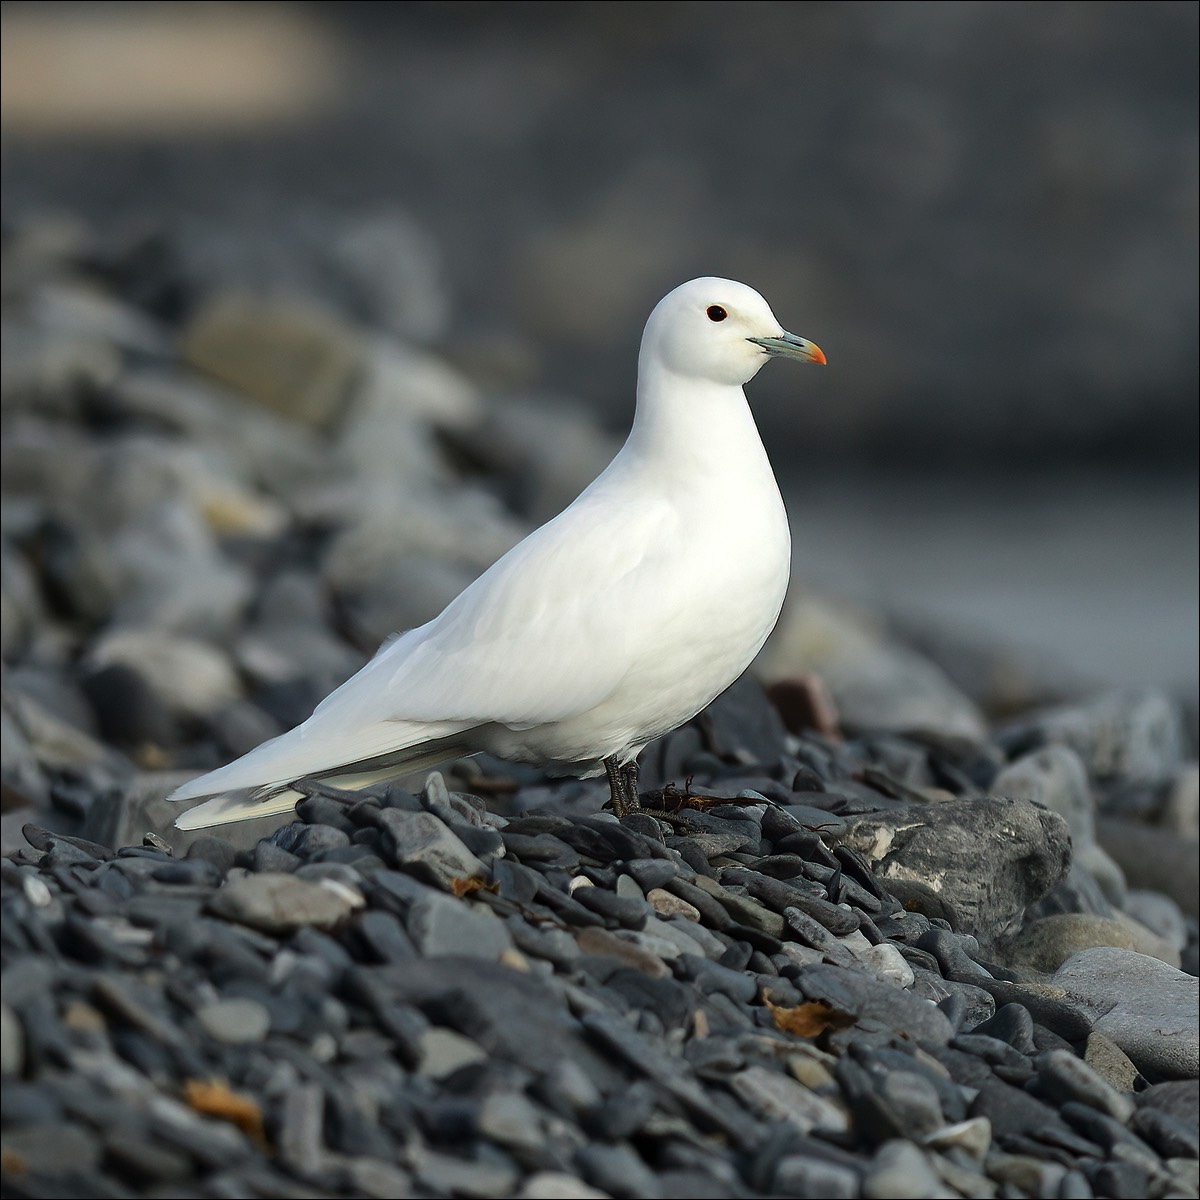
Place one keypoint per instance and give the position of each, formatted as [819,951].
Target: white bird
[609,626]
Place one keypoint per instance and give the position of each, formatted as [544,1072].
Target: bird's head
[719,330]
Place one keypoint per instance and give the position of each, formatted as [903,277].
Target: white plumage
[607,627]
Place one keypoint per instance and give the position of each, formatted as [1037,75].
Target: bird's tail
[279,800]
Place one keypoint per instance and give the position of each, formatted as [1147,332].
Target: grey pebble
[778,1097]
[59,1151]
[1151,1010]
[278,903]
[1061,1076]
[420,842]
[617,1171]
[235,1021]
[900,1169]
[800,1175]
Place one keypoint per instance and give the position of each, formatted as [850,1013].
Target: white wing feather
[494,656]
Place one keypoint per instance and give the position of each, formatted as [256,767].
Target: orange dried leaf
[809,1020]
[465,885]
[13,1163]
[216,1099]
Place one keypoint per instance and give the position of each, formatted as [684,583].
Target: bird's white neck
[693,422]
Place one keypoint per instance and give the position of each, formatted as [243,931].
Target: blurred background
[985,214]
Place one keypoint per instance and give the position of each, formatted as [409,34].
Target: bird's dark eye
[716,313]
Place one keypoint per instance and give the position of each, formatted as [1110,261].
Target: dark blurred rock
[876,682]
[1135,737]
[1056,778]
[1153,858]
[1045,944]
[288,356]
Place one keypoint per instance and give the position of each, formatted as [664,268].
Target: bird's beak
[788,345]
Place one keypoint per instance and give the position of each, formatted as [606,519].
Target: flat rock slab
[1148,1008]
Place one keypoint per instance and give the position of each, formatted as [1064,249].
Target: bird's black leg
[622,785]
[629,773]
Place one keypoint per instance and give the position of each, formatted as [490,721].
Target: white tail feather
[224,810]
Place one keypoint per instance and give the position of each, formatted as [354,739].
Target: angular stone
[441,925]
[421,843]
[778,1097]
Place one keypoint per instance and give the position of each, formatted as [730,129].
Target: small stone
[780,1098]
[973,1135]
[558,1185]
[888,964]
[511,1120]
[1062,1077]
[1110,1062]
[58,1151]
[899,1170]
[1181,807]
[291,358]
[12,1042]
[420,842]
[300,1131]
[277,903]
[377,1179]
[440,925]
[454,1175]
[443,1051]
[667,904]
[618,1171]
[800,1175]
[601,941]
[235,1021]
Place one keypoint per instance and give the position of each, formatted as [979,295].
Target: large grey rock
[1151,1010]
[987,859]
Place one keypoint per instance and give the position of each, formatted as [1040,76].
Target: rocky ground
[906,922]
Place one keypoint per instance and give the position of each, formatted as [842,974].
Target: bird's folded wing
[545,634]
